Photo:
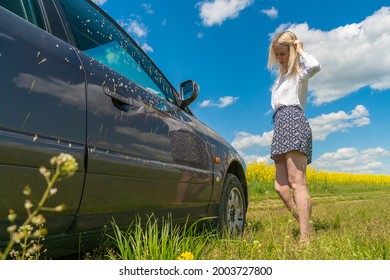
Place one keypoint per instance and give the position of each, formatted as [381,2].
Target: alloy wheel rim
[235,213]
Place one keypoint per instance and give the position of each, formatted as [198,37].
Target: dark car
[73,81]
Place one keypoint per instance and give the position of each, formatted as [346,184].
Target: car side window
[101,39]
[27,9]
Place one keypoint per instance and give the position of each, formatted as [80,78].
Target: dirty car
[73,81]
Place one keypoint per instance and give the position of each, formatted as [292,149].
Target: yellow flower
[28,204]
[12,215]
[66,163]
[186,256]
[27,190]
[60,208]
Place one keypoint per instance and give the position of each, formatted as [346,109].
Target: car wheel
[231,208]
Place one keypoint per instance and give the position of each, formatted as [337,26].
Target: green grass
[347,224]
[158,240]
[351,226]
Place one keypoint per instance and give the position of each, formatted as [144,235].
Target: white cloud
[134,27]
[164,22]
[137,28]
[256,158]
[325,124]
[112,57]
[148,8]
[350,160]
[138,31]
[272,13]
[246,143]
[206,103]
[147,48]
[244,140]
[99,2]
[353,56]
[215,12]
[222,102]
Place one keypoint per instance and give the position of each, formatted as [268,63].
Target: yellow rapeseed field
[265,174]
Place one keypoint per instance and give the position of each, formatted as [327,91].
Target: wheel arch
[239,171]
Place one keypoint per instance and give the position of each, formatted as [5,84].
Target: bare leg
[296,169]
[282,185]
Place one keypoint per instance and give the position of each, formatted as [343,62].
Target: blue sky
[223,45]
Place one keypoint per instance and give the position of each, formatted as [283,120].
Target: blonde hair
[285,38]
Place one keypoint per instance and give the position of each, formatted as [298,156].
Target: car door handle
[116,95]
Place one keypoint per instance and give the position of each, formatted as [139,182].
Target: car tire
[231,208]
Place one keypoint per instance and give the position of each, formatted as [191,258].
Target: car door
[143,154]
[42,114]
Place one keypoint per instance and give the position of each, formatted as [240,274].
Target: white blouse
[293,90]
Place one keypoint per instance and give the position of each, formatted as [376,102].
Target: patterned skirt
[292,132]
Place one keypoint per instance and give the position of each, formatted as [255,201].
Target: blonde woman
[291,147]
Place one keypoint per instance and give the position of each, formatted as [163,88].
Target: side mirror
[189,91]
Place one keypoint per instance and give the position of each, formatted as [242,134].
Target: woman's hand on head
[298,45]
